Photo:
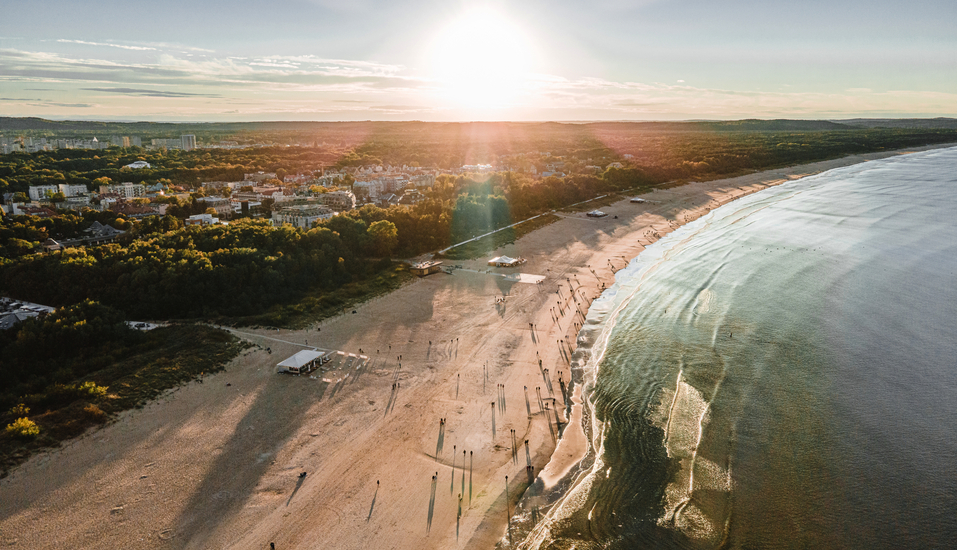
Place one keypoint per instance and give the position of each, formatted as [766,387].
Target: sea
[780,373]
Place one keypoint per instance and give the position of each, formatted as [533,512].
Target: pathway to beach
[410,450]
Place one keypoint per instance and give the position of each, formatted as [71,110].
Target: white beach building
[505,261]
[303,361]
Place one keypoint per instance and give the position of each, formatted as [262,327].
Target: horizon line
[543,121]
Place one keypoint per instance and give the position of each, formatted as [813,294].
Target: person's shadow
[296,490]
[371,508]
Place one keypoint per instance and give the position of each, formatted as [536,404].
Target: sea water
[781,373]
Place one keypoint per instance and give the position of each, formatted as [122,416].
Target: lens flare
[481,60]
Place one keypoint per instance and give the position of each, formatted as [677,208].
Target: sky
[458,60]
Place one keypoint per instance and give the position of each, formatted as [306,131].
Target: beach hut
[303,361]
[505,261]
[426,268]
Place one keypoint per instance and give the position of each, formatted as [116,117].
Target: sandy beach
[438,401]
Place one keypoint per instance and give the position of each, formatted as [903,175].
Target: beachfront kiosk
[505,261]
[426,268]
[303,361]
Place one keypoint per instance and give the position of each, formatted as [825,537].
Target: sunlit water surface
[781,374]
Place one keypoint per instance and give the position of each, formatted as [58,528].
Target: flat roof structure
[425,268]
[505,261]
[302,361]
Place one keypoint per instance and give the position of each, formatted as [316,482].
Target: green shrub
[91,389]
[23,427]
[19,410]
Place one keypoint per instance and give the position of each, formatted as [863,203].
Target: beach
[438,400]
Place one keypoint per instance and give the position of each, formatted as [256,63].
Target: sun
[481,60]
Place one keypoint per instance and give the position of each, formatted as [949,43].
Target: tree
[383,237]
[18,247]
[352,232]
[20,197]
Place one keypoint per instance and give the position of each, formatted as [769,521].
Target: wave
[664,424]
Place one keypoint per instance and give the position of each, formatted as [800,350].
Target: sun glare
[481,60]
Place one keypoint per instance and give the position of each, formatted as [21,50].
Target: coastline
[575,453]
[215,464]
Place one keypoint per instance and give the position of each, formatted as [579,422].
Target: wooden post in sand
[508,514]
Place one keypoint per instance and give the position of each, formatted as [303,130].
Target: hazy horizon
[315,60]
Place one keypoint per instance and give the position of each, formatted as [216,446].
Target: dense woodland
[161,270]
[76,367]
[79,366]
[665,150]
[233,270]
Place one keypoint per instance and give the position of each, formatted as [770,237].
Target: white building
[301,215]
[303,361]
[260,176]
[70,190]
[41,192]
[368,189]
[189,142]
[222,205]
[137,165]
[201,219]
[423,180]
[128,190]
[339,201]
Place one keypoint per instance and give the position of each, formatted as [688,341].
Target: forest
[79,366]
[162,270]
[665,150]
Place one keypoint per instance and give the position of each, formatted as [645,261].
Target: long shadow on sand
[234,475]
[296,490]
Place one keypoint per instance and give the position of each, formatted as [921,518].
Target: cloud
[148,93]
[112,83]
[400,108]
[268,75]
[106,44]
[71,105]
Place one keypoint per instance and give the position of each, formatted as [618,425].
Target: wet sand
[216,465]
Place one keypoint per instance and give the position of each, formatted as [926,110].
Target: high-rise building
[189,142]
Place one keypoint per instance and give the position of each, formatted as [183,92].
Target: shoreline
[216,464]
[572,451]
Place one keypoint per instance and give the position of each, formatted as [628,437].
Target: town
[312,194]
